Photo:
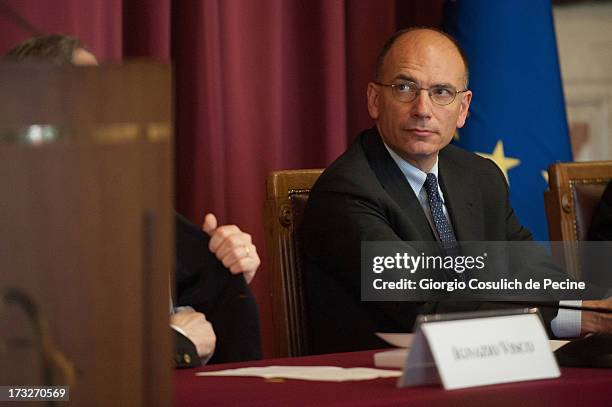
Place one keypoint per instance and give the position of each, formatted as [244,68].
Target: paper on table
[556,344]
[396,358]
[391,358]
[404,340]
[397,340]
[316,373]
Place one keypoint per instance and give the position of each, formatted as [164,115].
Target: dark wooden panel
[85,231]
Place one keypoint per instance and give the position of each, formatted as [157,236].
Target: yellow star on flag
[545,175]
[504,163]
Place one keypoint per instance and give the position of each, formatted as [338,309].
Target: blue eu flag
[517,115]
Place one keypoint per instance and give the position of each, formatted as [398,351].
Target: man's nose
[421,106]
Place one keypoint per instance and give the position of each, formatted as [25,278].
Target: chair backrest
[286,197]
[574,191]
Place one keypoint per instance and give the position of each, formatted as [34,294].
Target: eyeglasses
[407,92]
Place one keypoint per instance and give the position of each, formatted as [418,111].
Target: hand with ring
[233,247]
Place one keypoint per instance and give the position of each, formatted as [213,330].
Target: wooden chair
[574,191]
[286,197]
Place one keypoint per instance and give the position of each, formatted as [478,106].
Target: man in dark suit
[213,268]
[216,317]
[400,181]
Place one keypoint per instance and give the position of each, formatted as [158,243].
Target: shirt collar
[414,176]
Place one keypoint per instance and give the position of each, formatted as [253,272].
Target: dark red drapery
[260,85]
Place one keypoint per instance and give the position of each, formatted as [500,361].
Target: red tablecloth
[575,387]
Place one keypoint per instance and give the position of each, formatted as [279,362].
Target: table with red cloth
[575,387]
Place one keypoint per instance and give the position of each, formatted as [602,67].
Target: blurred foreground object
[85,227]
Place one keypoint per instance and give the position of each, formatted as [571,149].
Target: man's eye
[404,87]
[442,91]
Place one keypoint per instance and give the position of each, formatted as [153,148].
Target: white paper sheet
[315,373]
[398,340]
[556,344]
[404,340]
[396,358]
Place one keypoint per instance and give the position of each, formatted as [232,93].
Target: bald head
[418,126]
[425,37]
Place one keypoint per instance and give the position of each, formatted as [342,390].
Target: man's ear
[464,108]
[373,100]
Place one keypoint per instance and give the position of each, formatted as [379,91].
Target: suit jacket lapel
[395,184]
[462,199]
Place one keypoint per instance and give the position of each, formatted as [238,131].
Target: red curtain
[260,85]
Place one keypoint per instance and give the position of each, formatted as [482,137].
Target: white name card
[481,351]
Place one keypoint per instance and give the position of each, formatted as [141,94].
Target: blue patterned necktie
[445,232]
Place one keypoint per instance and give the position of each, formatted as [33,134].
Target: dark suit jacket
[203,283]
[185,352]
[363,196]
